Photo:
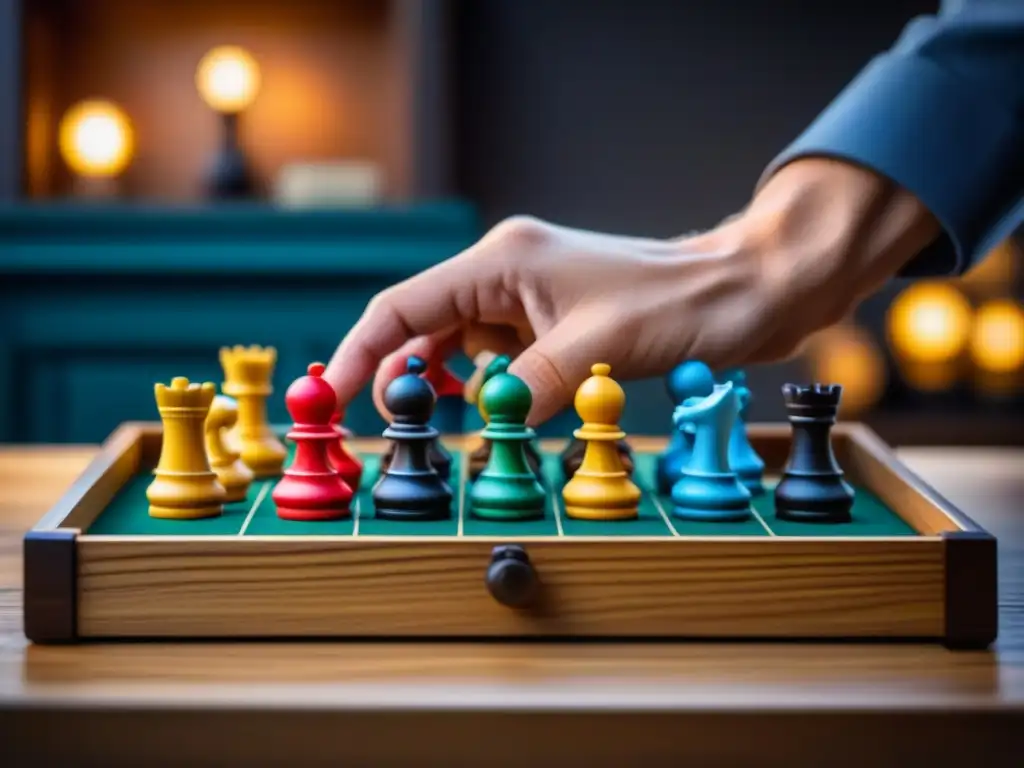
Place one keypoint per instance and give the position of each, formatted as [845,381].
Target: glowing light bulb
[997,338]
[228,79]
[929,323]
[95,139]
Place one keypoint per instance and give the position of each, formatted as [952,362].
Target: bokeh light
[929,323]
[228,79]
[848,355]
[997,336]
[95,139]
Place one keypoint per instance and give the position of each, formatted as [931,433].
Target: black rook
[812,489]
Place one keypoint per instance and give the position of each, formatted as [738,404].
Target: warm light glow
[96,139]
[929,323]
[228,79]
[929,377]
[997,339]
[847,355]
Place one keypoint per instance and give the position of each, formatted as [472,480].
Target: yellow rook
[248,372]
[185,486]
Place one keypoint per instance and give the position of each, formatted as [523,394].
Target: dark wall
[646,116]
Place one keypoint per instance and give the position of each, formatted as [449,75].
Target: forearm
[823,229]
[940,116]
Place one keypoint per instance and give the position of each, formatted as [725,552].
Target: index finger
[434,301]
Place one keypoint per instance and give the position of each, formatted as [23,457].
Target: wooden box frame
[939,586]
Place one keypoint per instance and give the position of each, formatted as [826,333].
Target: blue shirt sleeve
[942,115]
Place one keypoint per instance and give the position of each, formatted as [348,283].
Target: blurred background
[178,176]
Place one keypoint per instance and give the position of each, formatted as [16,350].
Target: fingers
[433,302]
[554,367]
[499,339]
[440,345]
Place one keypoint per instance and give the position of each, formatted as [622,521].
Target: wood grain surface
[158,587]
[499,704]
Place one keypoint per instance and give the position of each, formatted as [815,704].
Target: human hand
[816,239]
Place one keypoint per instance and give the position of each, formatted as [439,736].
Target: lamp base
[229,176]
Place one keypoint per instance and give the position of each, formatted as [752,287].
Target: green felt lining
[128,514]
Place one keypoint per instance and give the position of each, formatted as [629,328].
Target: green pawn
[507,489]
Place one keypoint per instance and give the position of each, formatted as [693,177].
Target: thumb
[554,366]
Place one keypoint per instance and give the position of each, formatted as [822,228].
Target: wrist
[825,222]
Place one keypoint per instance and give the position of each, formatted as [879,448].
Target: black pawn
[812,489]
[410,488]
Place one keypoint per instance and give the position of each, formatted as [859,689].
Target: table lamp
[96,142]
[228,80]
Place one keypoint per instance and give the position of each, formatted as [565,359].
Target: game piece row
[711,471]
[214,446]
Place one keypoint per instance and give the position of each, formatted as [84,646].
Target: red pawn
[344,463]
[310,488]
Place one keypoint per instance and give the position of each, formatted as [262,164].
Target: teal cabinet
[96,305]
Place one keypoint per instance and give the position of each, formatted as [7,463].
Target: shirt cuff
[936,135]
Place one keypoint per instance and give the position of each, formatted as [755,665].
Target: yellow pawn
[248,372]
[225,462]
[601,488]
[186,487]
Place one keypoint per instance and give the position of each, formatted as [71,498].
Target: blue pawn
[742,457]
[689,379]
[708,490]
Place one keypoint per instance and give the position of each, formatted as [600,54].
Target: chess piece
[691,378]
[489,365]
[341,459]
[226,463]
[708,489]
[185,486]
[743,459]
[248,372]
[311,489]
[480,455]
[410,488]
[507,488]
[601,488]
[439,457]
[812,489]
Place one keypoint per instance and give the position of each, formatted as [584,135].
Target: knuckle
[523,232]
[378,303]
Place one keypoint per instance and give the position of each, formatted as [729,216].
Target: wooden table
[526,704]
